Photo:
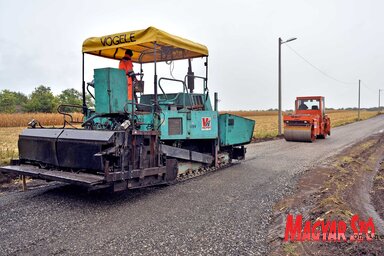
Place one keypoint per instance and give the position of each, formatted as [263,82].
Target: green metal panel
[146,120]
[110,90]
[207,104]
[166,117]
[235,130]
[178,125]
[203,125]
[179,99]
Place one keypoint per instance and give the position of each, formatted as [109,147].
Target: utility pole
[279,81]
[379,100]
[279,119]
[358,109]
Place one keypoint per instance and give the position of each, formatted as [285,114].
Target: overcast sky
[40,43]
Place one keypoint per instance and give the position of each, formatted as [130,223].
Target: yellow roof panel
[142,43]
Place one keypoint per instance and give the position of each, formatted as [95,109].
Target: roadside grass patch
[290,249]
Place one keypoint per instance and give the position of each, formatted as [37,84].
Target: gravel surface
[226,212]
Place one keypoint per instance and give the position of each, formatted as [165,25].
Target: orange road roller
[309,120]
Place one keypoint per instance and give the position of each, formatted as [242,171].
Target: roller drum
[298,134]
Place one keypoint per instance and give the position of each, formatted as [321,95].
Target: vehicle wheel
[313,136]
[322,136]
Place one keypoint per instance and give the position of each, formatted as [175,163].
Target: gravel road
[226,212]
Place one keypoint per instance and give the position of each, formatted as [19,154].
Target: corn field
[266,125]
[45,119]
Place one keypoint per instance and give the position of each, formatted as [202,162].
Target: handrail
[92,85]
[60,111]
[174,80]
[205,88]
[135,104]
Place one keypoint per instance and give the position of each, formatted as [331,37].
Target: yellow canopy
[142,43]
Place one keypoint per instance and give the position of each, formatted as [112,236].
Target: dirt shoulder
[377,192]
[351,184]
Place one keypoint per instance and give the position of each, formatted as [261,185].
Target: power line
[318,69]
[372,90]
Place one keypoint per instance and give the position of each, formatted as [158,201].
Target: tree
[90,101]
[11,102]
[8,101]
[72,97]
[41,100]
[21,99]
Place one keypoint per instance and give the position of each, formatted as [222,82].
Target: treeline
[40,100]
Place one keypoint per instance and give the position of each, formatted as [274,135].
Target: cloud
[41,44]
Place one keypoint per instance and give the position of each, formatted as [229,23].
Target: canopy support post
[83,86]
[206,70]
[155,77]
[206,81]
